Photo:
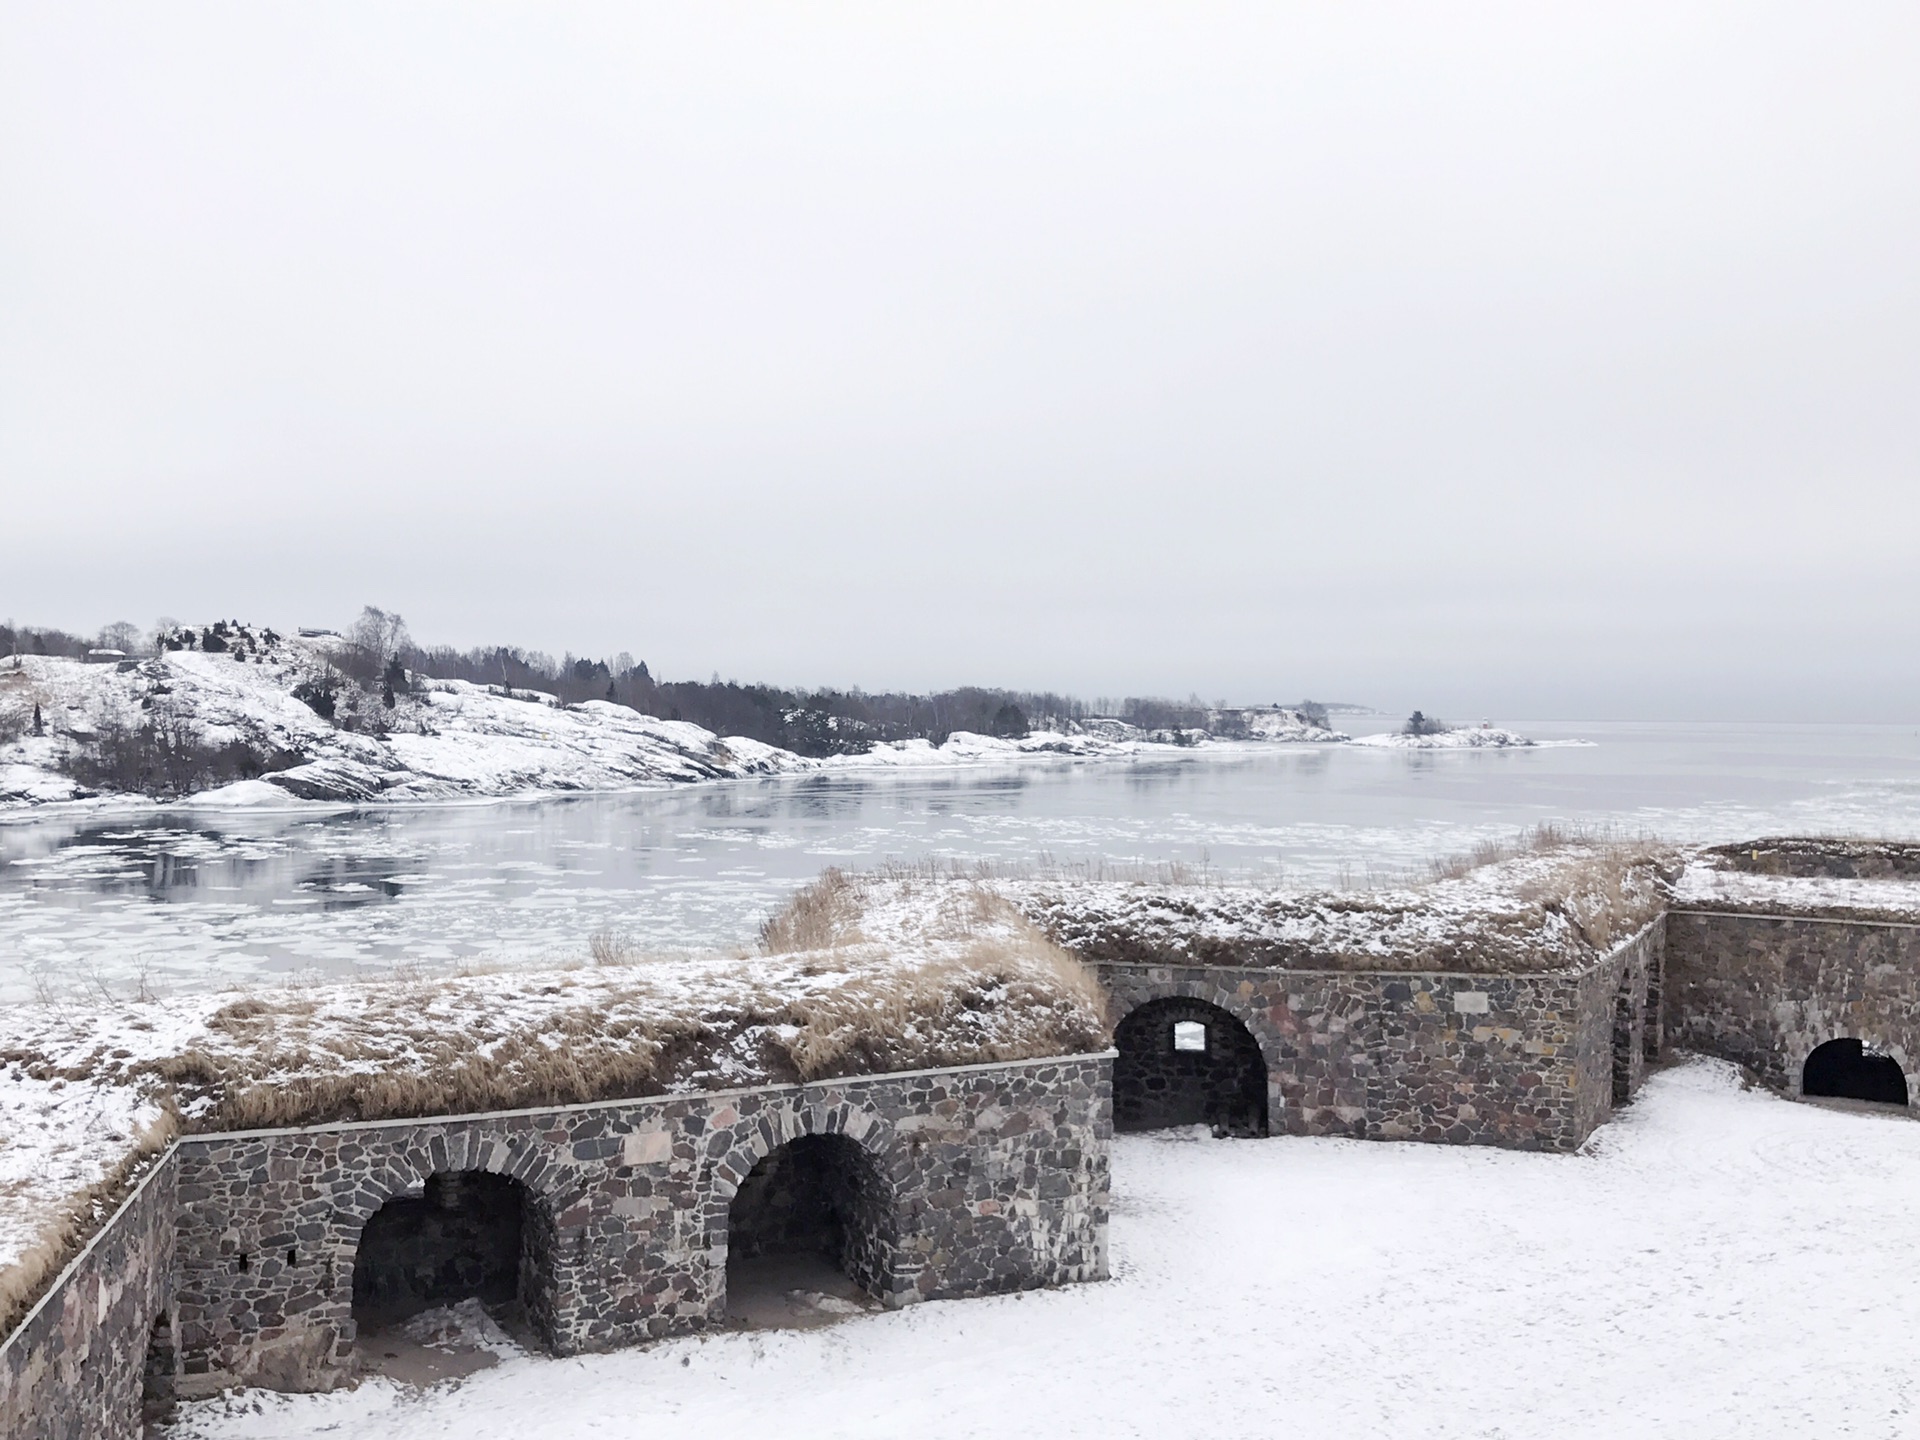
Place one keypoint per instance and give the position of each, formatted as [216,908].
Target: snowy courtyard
[1716,1262]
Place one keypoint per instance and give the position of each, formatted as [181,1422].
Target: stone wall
[1524,1061]
[76,1367]
[1765,990]
[1618,1025]
[998,1177]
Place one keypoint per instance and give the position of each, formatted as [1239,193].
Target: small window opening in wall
[1189,1035]
[243,1262]
[292,1258]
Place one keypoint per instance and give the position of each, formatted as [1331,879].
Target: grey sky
[1518,360]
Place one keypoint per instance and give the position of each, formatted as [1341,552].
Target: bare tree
[381,633]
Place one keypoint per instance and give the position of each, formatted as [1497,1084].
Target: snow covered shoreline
[259,728]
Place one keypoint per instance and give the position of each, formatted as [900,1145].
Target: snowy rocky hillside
[236,714]
[1267,723]
[268,718]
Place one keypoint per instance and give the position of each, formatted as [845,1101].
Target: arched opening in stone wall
[1623,1041]
[1185,1062]
[160,1373]
[811,1234]
[465,1235]
[1650,1031]
[1848,1070]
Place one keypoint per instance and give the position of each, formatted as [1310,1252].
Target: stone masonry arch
[1879,1044]
[1132,987]
[993,1178]
[1184,1061]
[780,1123]
[406,1171]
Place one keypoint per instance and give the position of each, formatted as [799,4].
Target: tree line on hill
[378,656]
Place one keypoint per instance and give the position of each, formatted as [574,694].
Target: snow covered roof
[1551,909]
[1815,876]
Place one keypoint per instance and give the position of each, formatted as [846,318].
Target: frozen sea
[185,899]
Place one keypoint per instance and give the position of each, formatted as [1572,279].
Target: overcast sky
[1518,360]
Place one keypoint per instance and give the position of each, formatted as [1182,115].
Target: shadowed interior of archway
[1848,1070]
[816,1205]
[1186,1062]
[464,1235]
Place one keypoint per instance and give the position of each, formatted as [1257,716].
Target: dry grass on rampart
[1607,891]
[985,958]
[1545,900]
[23,1282]
[414,1050]
[1539,839]
[820,916]
[858,976]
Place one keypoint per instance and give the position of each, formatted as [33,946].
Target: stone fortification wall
[1765,990]
[998,1177]
[76,1367]
[1618,1024]
[1524,1061]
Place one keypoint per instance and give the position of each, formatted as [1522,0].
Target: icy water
[189,899]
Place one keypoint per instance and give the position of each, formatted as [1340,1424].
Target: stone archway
[809,1203]
[1625,1043]
[1184,1061]
[819,1198]
[454,1208]
[1846,1069]
[464,1235]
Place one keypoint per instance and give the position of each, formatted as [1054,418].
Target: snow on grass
[1563,903]
[952,976]
[939,977]
[65,1148]
[1708,884]
[1714,1264]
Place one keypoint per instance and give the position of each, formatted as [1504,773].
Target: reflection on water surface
[201,898]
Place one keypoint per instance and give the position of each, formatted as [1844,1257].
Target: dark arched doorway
[1185,1062]
[1624,1041]
[810,1234]
[1847,1069]
[464,1235]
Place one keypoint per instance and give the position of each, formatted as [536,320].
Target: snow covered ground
[1716,1263]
